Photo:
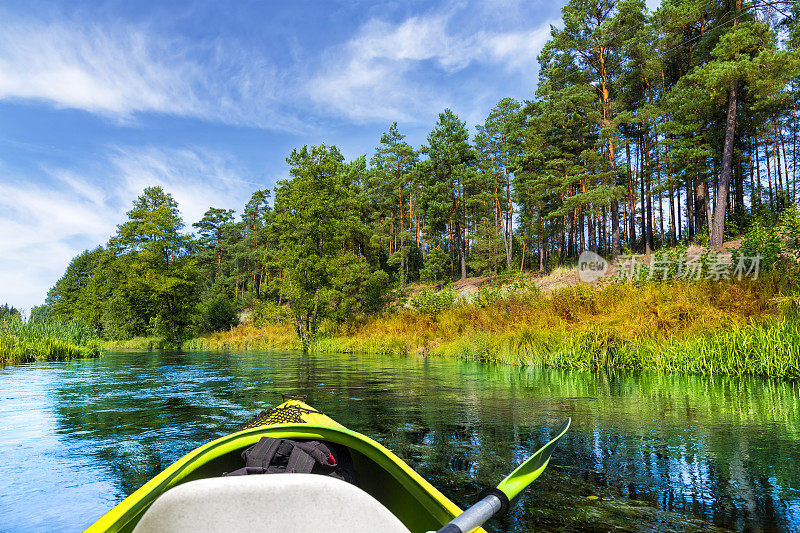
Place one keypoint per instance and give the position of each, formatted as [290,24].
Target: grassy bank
[739,328]
[248,337]
[46,341]
[141,344]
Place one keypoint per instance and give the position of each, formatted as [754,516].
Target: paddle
[498,499]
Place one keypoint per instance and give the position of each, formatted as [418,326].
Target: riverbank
[748,327]
[45,341]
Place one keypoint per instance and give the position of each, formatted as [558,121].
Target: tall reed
[46,340]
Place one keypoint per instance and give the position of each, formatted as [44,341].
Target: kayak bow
[388,481]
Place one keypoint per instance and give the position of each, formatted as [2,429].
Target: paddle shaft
[475,516]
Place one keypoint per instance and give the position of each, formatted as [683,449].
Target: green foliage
[451,178]
[144,282]
[763,241]
[432,302]
[436,266]
[776,243]
[219,313]
[9,314]
[377,291]
[790,228]
[317,220]
[40,313]
[486,296]
[630,112]
[268,312]
[77,293]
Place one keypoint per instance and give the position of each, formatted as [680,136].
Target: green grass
[46,341]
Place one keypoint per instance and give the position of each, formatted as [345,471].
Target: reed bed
[49,340]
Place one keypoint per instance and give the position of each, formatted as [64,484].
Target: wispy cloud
[119,70]
[196,178]
[390,70]
[46,224]
[42,229]
[384,72]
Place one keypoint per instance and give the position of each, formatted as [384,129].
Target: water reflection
[647,452]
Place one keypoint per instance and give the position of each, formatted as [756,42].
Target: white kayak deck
[289,503]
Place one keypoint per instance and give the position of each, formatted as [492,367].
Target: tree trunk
[631,199]
[672,234]
[643,225]
[690,225]
[718,229]
[612,154]
[778,173]
[754,199]
[707,203]
[647,175]
[659,194]
[508,233]
[769,174]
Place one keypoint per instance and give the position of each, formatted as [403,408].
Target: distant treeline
[646,129]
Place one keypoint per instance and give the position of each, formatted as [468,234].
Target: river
[645,452]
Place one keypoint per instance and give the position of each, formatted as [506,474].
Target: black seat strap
[262,453]
[300,462]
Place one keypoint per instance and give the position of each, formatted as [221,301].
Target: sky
[99,100]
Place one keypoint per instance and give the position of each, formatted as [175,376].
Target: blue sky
[99,100]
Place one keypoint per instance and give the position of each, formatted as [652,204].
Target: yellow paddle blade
[528,471]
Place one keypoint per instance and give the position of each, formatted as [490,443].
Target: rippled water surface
[645,452]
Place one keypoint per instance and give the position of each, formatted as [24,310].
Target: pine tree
[449,174]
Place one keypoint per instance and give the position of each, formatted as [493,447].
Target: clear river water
[646,452]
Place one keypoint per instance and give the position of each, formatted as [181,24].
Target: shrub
[791,227]
[377,291]
[486,296]
[570,302]
[219,313]
[761,240]
[268,312]
[433,302]
[435,265]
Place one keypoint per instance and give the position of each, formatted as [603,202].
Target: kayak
[418,505]
[206,489]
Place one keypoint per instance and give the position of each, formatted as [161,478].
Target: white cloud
[119,70]
[42,227]
[378,75]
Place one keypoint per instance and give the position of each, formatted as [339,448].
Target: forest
[646,130]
